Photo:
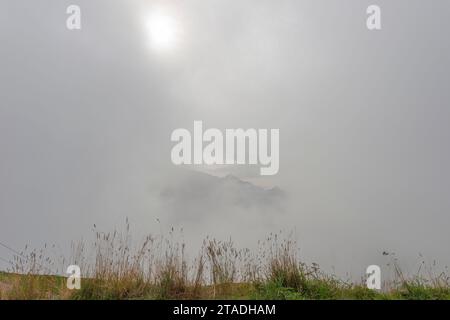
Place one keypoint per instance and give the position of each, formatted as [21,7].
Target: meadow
[158,268]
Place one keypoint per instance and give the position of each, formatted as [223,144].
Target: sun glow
[163,31]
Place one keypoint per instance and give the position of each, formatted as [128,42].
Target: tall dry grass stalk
[115,267]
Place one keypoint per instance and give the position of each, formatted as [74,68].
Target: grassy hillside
[13,286]
[158,269]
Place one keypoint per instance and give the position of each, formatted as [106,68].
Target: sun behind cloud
[163,30]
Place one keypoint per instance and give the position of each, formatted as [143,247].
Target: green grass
[158,269]
[25,287]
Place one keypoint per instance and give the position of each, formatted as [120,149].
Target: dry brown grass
[113,267]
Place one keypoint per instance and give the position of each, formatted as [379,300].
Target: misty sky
[86,118]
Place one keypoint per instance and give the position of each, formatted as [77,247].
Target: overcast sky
[86,118]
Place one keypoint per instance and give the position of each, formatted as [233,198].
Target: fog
[86,117]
